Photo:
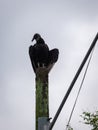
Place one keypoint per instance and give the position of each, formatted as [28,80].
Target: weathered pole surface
[42,100]
[42,95]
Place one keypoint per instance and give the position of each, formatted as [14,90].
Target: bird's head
[36,37]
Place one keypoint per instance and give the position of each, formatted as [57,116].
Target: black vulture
[40,55]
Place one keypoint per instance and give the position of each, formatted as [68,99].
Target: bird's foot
[38,64]
[41,65]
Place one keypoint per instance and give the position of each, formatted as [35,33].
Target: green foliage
[70,128]
[91,119]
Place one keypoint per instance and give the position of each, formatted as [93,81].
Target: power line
[67,126]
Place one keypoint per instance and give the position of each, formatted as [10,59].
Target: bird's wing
[31,54]
[53,55]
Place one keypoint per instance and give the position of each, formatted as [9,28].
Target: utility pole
[42,97]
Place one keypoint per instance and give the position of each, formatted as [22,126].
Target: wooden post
[42,95]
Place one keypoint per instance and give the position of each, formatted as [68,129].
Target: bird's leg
[43,65]
[38,64]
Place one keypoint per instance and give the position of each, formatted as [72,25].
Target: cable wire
[67,126]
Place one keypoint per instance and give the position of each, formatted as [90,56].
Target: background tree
[91,119]
[70,128]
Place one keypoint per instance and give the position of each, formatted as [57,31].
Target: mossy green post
[42,95]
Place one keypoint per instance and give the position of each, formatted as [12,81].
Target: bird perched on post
[40,54]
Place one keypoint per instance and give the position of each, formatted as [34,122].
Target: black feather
[40,54]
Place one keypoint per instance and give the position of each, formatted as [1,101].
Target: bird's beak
[32,39]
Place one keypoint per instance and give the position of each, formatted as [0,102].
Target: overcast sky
[67,25]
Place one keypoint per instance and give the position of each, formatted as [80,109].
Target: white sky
[67,25]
